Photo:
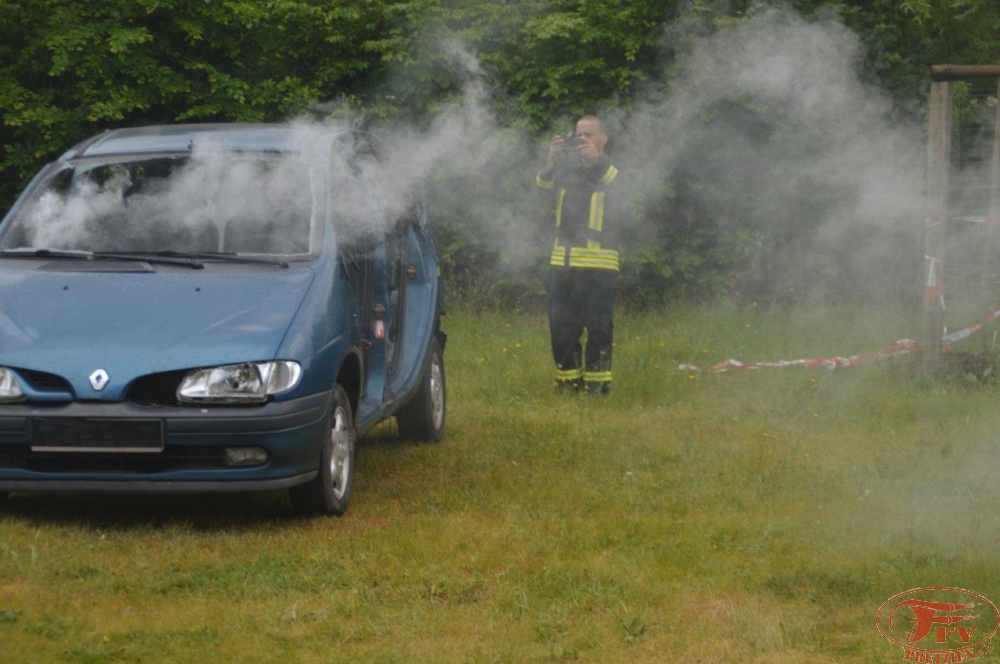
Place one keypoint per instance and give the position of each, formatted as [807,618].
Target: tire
[423,417]
[329,492]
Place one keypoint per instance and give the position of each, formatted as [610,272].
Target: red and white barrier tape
[969,331]
[901,347]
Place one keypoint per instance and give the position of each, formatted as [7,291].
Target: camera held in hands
[571,154]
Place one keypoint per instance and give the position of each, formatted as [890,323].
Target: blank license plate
[77,434]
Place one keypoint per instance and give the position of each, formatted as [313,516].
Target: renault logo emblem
[99,379]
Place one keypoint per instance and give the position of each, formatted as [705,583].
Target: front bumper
[192,459]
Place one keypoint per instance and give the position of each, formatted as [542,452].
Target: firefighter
[584,260]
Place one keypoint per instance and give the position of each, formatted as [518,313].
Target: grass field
[690,516]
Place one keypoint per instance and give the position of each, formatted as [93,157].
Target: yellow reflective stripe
[558,258]
[543,183]
[597,376]
[597,211]
[559,206]
[595,264]
[610,175]
[569,374]
[602,259]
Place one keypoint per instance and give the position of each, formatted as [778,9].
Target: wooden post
[987,300]
[963,72]
[938,160]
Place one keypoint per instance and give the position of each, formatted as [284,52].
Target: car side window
[353,205]
[385,230]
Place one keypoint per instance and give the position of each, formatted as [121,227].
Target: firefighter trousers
[581,300]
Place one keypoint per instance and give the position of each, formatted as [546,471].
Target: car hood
[129,325]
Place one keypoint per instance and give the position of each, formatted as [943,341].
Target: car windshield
[216,202]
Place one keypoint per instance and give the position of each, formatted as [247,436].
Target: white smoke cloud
[471,168]
[212,201]
[768,116]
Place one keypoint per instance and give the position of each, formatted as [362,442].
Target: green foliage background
[69,70]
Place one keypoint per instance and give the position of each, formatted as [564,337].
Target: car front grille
[158,389]
[45,382]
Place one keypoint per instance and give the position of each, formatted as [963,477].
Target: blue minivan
[218,307]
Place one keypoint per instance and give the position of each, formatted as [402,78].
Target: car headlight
[10,389]
[251,382]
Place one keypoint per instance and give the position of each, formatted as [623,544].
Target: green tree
[547,59]
[69,69]
[958,31]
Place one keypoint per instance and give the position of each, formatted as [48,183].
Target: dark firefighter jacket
[583,239]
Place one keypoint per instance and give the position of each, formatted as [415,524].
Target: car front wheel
[424,416]
[330,490]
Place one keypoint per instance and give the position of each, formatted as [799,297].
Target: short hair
[591,116]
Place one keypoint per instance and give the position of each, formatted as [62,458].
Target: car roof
[182,138]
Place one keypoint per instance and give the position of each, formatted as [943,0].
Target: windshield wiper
[46,253]
[226,256]
[189,261]
[76,254]
[164,257]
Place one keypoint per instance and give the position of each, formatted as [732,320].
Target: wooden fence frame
[940,102]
